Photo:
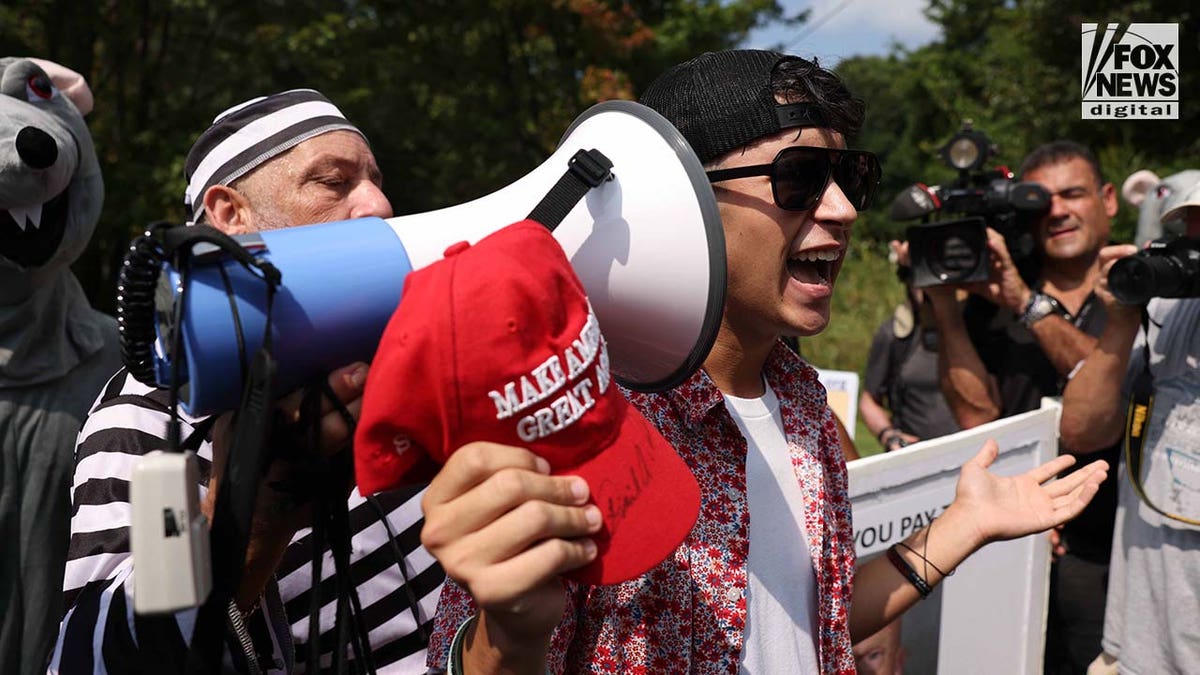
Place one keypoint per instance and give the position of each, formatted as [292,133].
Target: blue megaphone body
[343,281]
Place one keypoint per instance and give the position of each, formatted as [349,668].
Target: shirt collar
[698,394]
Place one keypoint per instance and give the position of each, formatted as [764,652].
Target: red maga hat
[497,342]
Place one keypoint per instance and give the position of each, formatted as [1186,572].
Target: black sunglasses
[799,175]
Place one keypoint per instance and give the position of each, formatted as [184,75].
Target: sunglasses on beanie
[799,175]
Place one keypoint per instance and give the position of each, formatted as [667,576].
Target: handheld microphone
[917,201]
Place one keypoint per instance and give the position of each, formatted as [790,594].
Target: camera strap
[1141,405]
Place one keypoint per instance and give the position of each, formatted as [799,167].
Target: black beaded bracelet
[926,560]
[908,572]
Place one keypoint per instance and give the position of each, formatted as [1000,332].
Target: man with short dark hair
[1007,353]
[1014,342]
[763,581]
[276,161]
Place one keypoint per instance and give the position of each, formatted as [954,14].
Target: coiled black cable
[136,286]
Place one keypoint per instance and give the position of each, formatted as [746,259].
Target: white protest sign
[841,389]
[993,610]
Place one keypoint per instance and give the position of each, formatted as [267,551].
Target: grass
[866,293]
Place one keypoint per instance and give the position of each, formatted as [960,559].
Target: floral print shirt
[688,614]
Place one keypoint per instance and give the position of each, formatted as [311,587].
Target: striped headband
[245,136]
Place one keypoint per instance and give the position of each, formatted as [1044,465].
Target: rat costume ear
[1138,185]
[70,83]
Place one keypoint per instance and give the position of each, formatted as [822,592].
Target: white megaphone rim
[714,233]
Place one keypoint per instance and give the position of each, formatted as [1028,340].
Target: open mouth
[30,235]
[813,267]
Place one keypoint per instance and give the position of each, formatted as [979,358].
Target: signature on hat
[624,489]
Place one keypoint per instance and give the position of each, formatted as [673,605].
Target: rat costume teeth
[30,235]
[24,216]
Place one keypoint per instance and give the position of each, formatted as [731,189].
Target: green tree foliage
[459,97]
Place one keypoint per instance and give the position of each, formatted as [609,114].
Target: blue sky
[840,28]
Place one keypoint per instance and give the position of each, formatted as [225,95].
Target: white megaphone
[647,245]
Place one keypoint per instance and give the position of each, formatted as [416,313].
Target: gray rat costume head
[51,191]
[1154,196]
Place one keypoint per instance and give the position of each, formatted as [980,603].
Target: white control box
[169,534]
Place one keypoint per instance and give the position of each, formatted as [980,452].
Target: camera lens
[1136,279]
[952,257]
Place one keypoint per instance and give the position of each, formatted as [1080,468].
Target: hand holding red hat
[506,530]
[498,342]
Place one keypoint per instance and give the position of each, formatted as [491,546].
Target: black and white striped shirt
[99,632]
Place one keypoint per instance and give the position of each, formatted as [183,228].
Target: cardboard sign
[990,617]
[841,388]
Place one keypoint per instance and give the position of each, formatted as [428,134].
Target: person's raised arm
[1092,418]
[505,530]
[986,508]
[970,390]
[1062,343]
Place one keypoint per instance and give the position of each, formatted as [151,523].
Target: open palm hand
[1007,507]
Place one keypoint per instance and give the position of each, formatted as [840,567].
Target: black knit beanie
[723,100]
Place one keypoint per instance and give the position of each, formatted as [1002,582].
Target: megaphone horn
[647,245]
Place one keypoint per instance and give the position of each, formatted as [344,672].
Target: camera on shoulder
[1166,268]
[949,245]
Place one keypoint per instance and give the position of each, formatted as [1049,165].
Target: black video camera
[954,251]
[1166,268]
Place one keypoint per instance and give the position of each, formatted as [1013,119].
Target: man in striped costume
[277,161]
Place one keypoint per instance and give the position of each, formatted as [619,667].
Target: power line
[812,27]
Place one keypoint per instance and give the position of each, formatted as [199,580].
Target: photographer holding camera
[1000,357]
[1151,623]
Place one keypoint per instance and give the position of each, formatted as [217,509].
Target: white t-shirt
[781,597]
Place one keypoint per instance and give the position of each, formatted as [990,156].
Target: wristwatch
[1040,306]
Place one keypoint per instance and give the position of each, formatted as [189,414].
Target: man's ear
[228,210]
[1108,193]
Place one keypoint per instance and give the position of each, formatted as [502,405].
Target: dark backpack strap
[900,350]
